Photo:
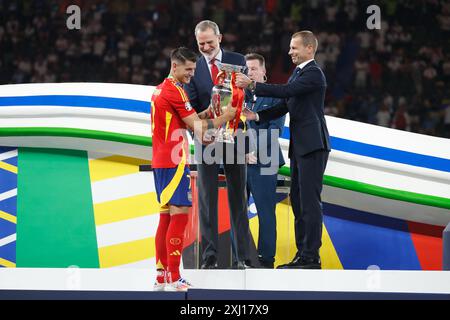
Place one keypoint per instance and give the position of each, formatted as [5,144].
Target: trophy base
[225,137]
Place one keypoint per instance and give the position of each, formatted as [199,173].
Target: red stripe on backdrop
[224,211]
[427,240]
[192,229]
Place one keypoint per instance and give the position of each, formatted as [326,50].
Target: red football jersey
[170,104]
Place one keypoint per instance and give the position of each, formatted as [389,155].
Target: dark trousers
[263,189]
[306,185]
[207,184]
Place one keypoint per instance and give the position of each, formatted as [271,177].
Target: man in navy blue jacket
[262,171]
[199,90]
[309,146]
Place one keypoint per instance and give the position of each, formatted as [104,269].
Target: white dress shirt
[303,64]
[217,58]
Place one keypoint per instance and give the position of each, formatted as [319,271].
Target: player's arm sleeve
[180,102]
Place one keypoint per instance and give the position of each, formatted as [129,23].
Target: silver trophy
[220,97]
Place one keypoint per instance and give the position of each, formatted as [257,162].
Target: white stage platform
[254,280]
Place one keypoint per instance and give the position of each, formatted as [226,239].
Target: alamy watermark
[73,278]
[265,148]
[374,20]
[74,20]
[373,280]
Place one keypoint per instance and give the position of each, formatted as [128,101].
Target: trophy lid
[230,67]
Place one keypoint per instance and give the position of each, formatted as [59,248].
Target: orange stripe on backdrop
[427,240]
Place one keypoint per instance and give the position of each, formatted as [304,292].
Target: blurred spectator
[447,121]
[401,119]
[362,69]
[383,116]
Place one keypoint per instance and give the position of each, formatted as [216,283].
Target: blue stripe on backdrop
[8,251]
[383,153]
[9,205]
[12,160]
[77,101]
[363,239]
[6,149]
[6,228]
[8,181]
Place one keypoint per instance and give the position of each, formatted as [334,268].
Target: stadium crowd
[397,76]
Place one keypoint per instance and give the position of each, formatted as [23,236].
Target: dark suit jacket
[199,89]
[304,97]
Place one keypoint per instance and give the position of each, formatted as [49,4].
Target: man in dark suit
[208,38]
[262,170]
[309,146]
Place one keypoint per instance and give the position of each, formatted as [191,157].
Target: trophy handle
[216,104]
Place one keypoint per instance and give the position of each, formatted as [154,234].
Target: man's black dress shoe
[286,266]
[209,263]
[246,264]
[302,263]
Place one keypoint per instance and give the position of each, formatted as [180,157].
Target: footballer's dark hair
[183,54]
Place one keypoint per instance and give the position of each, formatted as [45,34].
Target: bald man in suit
[309,146]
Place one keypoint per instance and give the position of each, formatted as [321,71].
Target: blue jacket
[304,97]
[263,103]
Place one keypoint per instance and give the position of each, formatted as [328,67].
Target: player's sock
[174,244]
[160,244]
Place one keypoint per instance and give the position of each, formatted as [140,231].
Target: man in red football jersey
[172,114]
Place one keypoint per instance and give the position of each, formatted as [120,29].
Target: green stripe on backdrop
[55,216]
[400,195]
[76,133]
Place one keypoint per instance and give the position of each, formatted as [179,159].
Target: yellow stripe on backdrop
[8,217]
[328,254]
[126,208]
[6,263]
[114,166]
[121,209]
[8,167]
[286,248]
[127,252]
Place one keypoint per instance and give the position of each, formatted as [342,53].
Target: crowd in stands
[397,76]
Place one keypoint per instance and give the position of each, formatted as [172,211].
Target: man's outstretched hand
[242,81]
[249,115]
